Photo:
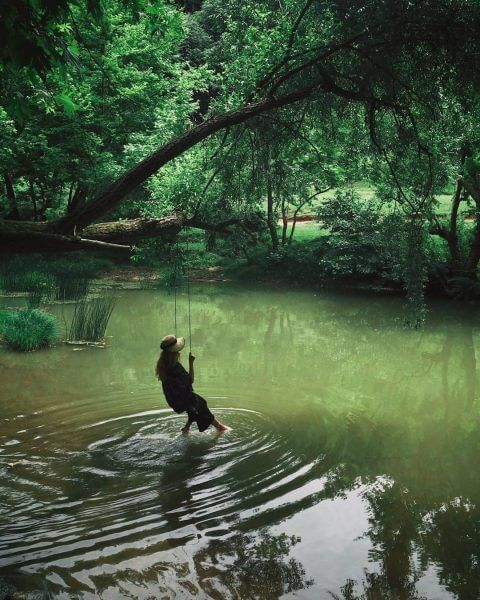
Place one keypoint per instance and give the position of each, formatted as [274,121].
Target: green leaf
[67,103]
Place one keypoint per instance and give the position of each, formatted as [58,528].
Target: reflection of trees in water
[404,524]
[243,565]
[375,587]
[394,526]
[451,539]
[429,504]
[250,567]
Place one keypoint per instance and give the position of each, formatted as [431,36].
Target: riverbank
[141,277]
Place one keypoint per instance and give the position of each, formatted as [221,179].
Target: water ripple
[131,486]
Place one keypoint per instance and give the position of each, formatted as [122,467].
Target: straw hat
[172,344]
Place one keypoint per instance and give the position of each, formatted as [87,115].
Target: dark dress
[181,397]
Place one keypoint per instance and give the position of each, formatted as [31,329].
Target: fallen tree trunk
[114,236]
[130,231]
[50,242]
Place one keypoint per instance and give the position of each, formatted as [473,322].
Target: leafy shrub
[364,240]
[12,269]
[38,286]
[298,262]
[77,266]
[152,252]
[4,316]
[29,329]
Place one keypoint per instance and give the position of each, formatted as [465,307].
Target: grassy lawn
[367,192]
[306,231]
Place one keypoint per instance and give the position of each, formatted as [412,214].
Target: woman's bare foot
[220,426]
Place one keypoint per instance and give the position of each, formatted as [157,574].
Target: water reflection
[330,399]
[251,567]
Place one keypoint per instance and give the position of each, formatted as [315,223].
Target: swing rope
[188,293]
[175,270]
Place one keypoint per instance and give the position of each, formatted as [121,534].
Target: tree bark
[132,230]
[452,239]
[450,235]
[474,254]
[271,220]
[33,197]
[38,241]
[12,200]
[284,222]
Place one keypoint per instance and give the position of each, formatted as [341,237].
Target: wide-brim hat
[170,343]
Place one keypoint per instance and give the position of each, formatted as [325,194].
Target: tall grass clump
[38,286]
[74,274]
[60,278]
[29,329]
[72,288]
[90,319]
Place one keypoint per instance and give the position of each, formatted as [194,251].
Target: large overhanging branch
[122,186]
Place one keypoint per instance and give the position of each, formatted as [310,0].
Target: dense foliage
[286,106]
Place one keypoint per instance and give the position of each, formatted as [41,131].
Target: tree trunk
[210,241]
[450,235]
[474,254]
[271,220]
[284,222]
[294,224]
[12,200]
[33,197]
[452,239]
[44,204]
[133,230]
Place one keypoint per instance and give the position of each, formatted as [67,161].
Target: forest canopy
[126,120]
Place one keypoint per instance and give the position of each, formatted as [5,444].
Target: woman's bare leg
[220,426]
[186,427]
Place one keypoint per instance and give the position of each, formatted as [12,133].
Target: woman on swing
[177,386]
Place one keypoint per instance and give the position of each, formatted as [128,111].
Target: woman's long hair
[165,361]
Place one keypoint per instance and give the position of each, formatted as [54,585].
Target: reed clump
[90,318]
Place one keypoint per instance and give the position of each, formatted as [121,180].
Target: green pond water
[351,468]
